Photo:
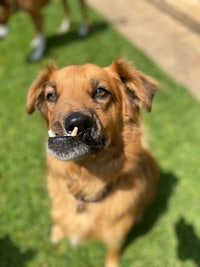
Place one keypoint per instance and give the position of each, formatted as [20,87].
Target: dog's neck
[87,181]
[82,201]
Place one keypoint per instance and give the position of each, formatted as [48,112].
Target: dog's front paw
[57,234]
[83,30]
[65,26]
[75,240]
[3,30]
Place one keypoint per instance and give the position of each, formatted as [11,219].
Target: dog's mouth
[75,144]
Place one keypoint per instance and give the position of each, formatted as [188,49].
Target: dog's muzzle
[82,136]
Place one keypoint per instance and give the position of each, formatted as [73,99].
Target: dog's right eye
[100,93]
[51,97]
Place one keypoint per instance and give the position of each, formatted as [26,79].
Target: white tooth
[74,132]
[51,133]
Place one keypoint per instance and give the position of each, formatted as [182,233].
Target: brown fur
[123,162]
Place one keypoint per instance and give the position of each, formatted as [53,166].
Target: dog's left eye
[51,97]
[100,93]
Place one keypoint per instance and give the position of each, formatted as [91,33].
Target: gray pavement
[168,31]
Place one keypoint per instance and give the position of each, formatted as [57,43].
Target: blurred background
[162,39]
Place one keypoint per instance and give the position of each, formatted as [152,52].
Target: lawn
[170,232]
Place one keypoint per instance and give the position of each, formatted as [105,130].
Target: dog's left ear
[139,87]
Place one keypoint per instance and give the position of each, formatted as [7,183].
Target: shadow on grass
[166,187]
[188,242]
[73,36]
[11,256]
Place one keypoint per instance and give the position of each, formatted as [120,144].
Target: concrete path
[168,31]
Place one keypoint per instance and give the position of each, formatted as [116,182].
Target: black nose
[81,121]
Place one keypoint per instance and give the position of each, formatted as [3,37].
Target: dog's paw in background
[83,29]
[64,26]
[3,31]
[39,45]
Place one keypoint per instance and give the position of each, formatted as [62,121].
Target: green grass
[170,233]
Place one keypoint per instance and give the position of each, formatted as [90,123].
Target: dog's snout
[81,121]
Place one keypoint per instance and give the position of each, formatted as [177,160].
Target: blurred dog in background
[34,8]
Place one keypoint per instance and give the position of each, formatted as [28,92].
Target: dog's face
[86,107]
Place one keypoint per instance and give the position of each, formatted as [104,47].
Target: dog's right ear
[35,98]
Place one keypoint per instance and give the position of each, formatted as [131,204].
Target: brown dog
[34,8]
[100,177]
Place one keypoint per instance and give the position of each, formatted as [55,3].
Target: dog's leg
[57,234]
[115,237]
[39,42]
[83,29]
[65,25]
[112,258]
